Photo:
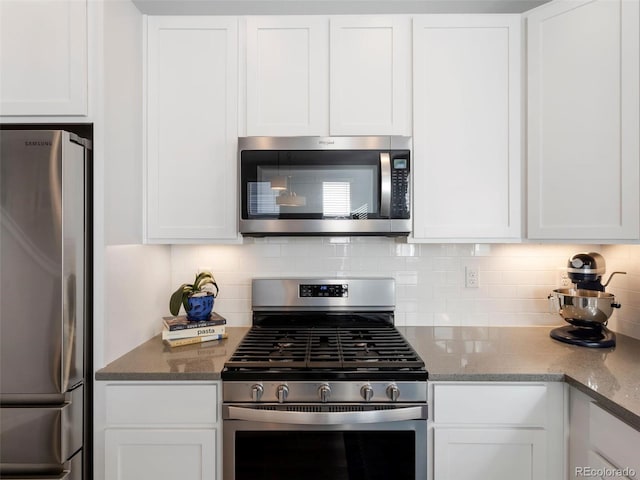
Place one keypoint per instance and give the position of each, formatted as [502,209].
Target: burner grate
[332,348]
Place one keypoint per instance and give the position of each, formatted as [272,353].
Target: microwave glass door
[311,184]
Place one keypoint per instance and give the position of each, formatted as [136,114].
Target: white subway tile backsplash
[626,288]
[515,279]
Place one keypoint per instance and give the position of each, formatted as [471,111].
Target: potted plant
[197,297]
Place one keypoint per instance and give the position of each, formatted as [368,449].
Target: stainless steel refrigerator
[43,303]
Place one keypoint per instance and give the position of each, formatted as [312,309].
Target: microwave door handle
[327,418]
[385,185]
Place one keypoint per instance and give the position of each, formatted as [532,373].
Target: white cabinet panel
[191,129]
[43,57]
[600,445]
[497,430]
[318,75]
[492,404]
[287,75]
[133,454]
[600,469]
[147,430]
[370,68]
[150,403]
[614,440]
[583,109]
[466,134]
[500,454]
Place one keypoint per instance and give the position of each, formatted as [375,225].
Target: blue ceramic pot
[199,307]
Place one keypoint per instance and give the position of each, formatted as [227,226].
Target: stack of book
[177,331]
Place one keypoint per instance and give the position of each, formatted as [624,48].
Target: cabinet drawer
[495,404]
[614,440]
[161,404]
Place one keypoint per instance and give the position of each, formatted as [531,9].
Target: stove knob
[256,392]
[367,392]
[325,392]
[393,392]
[281,392]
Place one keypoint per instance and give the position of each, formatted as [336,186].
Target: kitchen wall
[137,290]
[515,280]
[626,288]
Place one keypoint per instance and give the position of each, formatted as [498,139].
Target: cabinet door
[191,129]
[498,454]
[287,76]
[138,454]
[370,83]
[600,469]
[614,440]
[583,109]
[43,57]
[466,135]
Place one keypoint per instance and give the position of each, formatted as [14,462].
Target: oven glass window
[325,455]
[310,184]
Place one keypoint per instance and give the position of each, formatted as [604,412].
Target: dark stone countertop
[609,376]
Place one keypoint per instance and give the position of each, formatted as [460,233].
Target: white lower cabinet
[601,446]
[134,454]
[482,430]
[158,431]
[489,453]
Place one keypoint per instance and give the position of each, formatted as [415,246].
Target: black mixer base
[585,337]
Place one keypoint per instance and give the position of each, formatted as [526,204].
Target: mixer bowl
[584,307]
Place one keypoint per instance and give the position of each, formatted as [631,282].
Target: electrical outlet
[563,278]
[471,277]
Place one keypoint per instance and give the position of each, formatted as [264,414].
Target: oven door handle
[327,418]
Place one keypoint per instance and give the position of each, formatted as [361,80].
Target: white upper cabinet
[191,129]
[583,109]
[287,75]
[43,58]
[370,86]
[317,75]
[467,127]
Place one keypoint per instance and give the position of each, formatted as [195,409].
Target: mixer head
[586,270]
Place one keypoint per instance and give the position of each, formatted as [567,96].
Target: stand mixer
[587,307]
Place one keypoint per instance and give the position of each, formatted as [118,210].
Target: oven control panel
[325,290]
[325,392]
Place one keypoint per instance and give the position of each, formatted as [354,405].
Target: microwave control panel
[400,187]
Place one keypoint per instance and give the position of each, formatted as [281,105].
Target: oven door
[297,441]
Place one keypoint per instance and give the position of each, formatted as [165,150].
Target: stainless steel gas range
[324,386]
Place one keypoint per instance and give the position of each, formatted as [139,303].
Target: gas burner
[368,355]
[333,351]
[308,339]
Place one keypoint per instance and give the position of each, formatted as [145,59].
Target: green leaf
[185,303]
[202,279]
[177,298]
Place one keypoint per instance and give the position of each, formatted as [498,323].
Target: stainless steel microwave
[325,185]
